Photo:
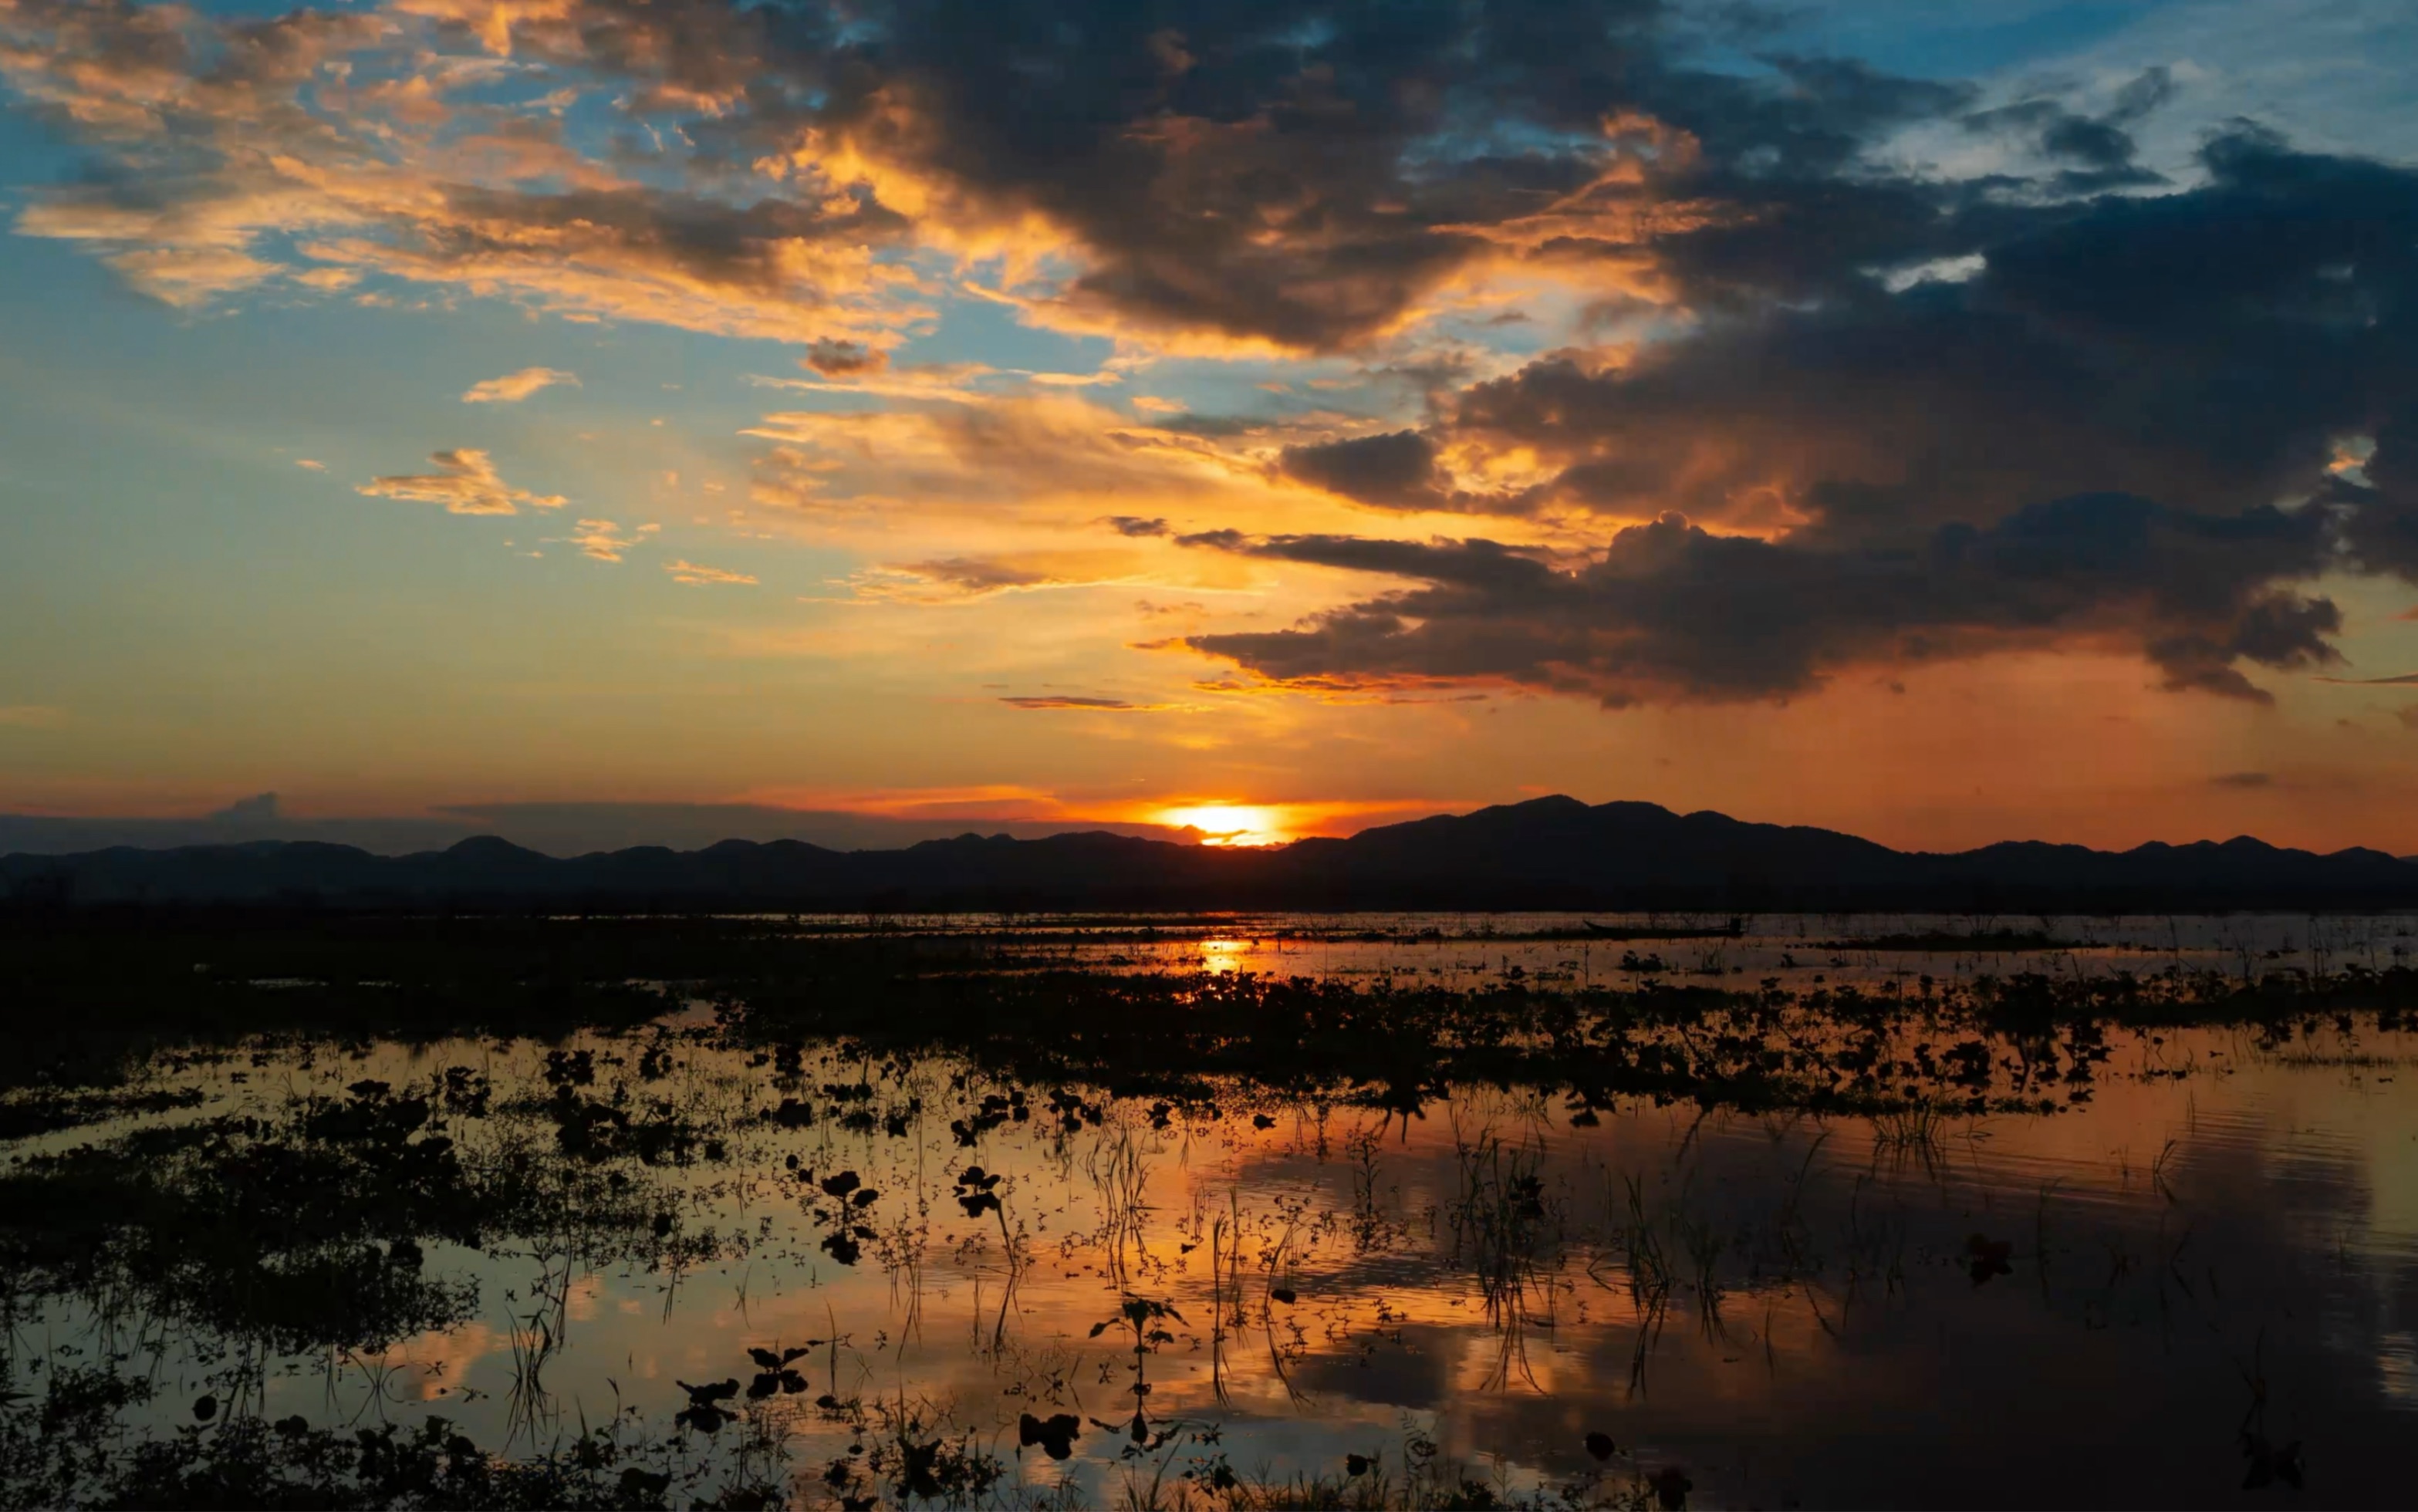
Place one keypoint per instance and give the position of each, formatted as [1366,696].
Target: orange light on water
[1229,824]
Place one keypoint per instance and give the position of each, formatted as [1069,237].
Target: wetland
[1207,1211]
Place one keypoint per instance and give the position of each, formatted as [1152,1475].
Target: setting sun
[1229,824]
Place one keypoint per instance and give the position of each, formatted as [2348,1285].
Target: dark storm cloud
[1275,171]
[2207,349]
[1301,173]
[1396,471]
[2098,150]
[2384,510]
[2087,439]
[1672,612]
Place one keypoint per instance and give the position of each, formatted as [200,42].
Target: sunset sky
[1947,424]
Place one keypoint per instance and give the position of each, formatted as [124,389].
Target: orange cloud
[242,154]
[466,482]
[515,386]
[698,575]
[957,579]
[1001,800]
[603,540]
[427,142]
[1051,459]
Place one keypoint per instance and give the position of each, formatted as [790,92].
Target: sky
[1944,423]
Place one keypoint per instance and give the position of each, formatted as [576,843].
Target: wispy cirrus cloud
[466,482]
[515,386]
[696,575]
[1079,703]
[985,454]
[964,579]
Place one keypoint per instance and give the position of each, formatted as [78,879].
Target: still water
[1613,948]
[2198,1287]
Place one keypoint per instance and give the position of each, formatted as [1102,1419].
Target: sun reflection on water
[1222,954]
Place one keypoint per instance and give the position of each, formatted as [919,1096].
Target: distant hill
[1550,852]
[554,829]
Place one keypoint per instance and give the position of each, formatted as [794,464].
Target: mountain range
[1547,853]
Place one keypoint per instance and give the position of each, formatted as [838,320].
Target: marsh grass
[1917,1132]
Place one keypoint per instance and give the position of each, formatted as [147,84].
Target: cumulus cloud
[515,386]
[696,575]
[1202,169]
[466,482]
[1397,471]
[321,149]
[1400,470]
[603,540]
[1308,181]
[1308,186]
[844,359]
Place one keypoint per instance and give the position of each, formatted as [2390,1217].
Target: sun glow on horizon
[1229,824]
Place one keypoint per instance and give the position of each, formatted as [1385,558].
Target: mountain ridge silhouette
[1553,853]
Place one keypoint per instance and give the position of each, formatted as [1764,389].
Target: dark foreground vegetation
[308,1230]
[90,989]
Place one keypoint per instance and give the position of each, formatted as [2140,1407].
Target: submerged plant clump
[70,1452]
